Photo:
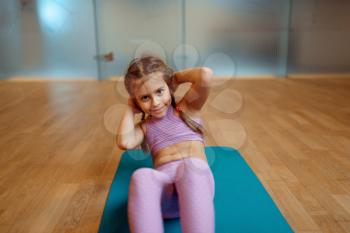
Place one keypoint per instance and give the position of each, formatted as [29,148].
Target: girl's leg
[144,209]
[196,189]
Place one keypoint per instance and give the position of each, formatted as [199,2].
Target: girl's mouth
[158,110]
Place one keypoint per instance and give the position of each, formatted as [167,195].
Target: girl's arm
[192,75]
[129,135]
[196,96]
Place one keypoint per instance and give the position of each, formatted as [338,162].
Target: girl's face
[152,94]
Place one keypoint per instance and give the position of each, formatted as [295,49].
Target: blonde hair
[143,66]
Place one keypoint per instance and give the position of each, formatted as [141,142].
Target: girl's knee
[147,176]
[140,173]
[141,176]
[195,176]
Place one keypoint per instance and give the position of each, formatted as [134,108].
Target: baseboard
[48,79]
[121,78]
[319,76]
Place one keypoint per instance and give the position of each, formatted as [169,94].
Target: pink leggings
[183,188]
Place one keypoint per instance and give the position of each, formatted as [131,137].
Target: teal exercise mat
[242,204]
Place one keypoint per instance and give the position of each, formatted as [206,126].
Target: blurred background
[97,38]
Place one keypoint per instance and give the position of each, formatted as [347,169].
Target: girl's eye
[144,98]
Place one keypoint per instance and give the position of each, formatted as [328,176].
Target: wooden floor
[58,154]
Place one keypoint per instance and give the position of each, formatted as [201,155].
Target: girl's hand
[135,109]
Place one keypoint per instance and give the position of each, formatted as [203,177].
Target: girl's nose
[155,102]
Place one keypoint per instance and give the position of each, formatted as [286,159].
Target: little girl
[181,183]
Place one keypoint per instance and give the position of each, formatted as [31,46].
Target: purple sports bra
[168,130]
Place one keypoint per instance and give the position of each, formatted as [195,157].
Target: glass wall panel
[319,38]
[128,28]
[250,34]
[47,38]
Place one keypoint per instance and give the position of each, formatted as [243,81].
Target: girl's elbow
[121,144]
[122,147]
[206,74]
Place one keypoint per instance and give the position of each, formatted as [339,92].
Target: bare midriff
[178,151]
